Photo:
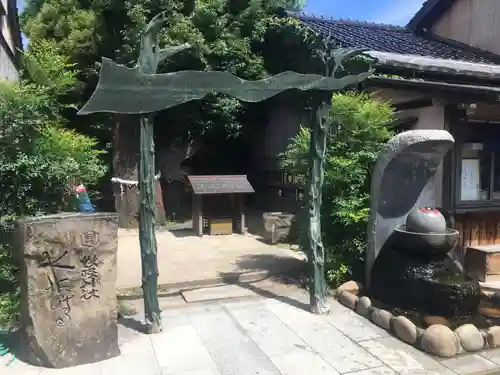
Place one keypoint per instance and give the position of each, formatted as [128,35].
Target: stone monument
[277,226]
[403,178]
[68,287]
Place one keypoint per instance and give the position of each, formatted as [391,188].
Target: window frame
[457,157]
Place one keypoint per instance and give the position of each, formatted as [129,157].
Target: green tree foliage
[39,158]
[359,130]
[225,34]
[295,5]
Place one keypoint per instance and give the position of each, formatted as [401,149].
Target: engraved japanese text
[60,288]
[89,285]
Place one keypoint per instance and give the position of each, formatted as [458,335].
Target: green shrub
[39,158]
[358,131]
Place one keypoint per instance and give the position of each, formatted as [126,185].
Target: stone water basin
[425,243]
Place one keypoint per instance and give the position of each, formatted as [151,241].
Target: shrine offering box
[220,226]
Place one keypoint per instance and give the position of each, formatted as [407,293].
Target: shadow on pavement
[133,324]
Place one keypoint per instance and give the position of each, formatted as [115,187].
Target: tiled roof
[395,39]
[220,184]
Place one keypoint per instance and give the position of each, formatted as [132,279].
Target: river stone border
[437,339]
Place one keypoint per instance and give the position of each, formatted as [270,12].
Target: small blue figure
[83,199]
[5,351]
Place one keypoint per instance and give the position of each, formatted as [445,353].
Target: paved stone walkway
[180,255]
[260,336]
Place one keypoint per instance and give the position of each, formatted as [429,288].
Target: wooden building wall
[8,69]
[477,228]
[473,22]
[477,225]
[5,26]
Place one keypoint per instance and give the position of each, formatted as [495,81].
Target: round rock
[382,318]
[348,299]
[405,329]
[493,337]
[439,340]
[363,307]
[470,337]
[351,287]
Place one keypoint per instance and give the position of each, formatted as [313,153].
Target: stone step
[217,293]
[483,263]
[228,279]
[490,286]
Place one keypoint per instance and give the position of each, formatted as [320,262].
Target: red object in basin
[430,211]
[425,220]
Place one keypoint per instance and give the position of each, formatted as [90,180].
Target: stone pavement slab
[354,326]
[179,350]
[377,371]
[404,359]
[493,355]
[469,364]
[232,350]
[265,328]
[301,362]
[267,337]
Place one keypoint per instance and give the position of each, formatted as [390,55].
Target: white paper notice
[470,188]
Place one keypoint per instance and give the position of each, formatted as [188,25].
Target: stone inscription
[89,238]
[89,285]
[60,288]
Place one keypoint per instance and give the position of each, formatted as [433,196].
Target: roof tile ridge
[347,21]
[465,47]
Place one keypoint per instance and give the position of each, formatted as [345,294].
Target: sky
[394,12]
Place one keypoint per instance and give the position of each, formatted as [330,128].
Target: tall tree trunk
[126,149]
[125,166]
[147,238]
[316,254]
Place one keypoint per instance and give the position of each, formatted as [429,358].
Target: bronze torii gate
[140,90]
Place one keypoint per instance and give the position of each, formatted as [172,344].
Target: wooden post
[197,215]
[241,209]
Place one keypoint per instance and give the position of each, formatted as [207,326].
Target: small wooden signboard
[482,263]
